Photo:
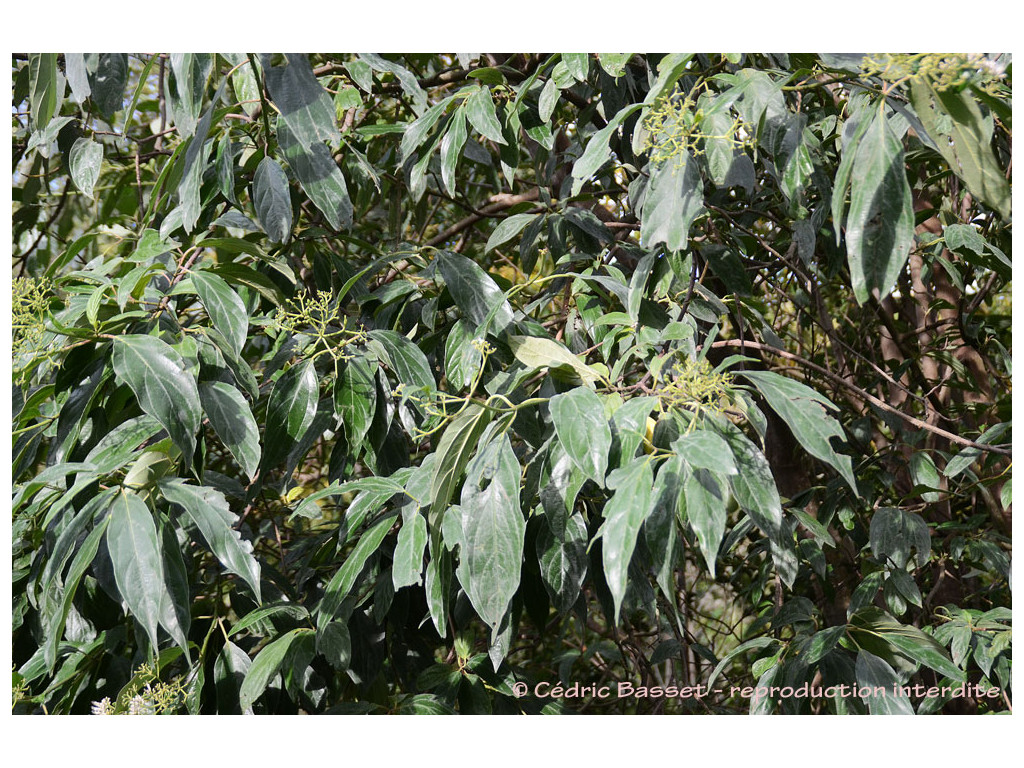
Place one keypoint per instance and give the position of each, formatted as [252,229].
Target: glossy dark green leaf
[880,633]
[706,502]
[273,200]
[508,228]
[563,562]
[355,398]
[191,71]
[226,311]
[806,414]
[924,472]
[754,488]
[406,359]
[303,103]
[624,514]
[967,456]
[493,530]
[630,426]
[239,369]
[894,532]
[879,683]
[451,149]
[474,291]
[675,196]
[454,450]
[462,360]
[344,579]
[208,510]
[319,175]
[266,664]
[166,391]
[880,224]
[583,430]
[416,133]
[134,548]
[598,152]
[290,411]
[84,161]
[108,75]
[480,112]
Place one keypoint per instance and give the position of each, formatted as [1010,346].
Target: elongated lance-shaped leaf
[134,548]
[706,511]
[355,398]
[879,682]
[266,664]
[273,200]
[563,562]
[319,175]
[598,152]
[474,291]
[341,583]
[304,104]
[290,411]
[880,224]
[754,488]
[191,71]
[480,112]
[675,196]
[417,131]
[624,514]
[43,96]
[108,75]
[493,530]
[407,567]
[454,450]
[208,510]
[166,391]
[583,430]
[224,307]
[804,411]
[451,149]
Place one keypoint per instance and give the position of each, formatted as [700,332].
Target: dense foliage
[410,383]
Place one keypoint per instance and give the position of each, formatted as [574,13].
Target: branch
[499,203]
[862,395]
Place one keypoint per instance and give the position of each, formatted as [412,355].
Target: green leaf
[134,548]
[675,196]
[578,65]
[624,514]
[462,360]
[538,352]
[416,132]
[273,200]
[83,559]
[670,69]
[191,71]
[223,306]
[407,568]
[454,450]
[208,510]
[508,228]
[614,63]
[583,430]
[164,387]
[290,411]
[43,96]
[880,225]
[804,412]
[152,245]
[319,175]
[355,398]
[303,103]
[342,582]
[108,75]
[474,291]
[963,136]
[924,472]
[970,454]
[239,369]
[451,149]
[563,562]
[405,358]
[493,530]
[706,510]
[750,645]
[880,682]
[548,99]
[266,664]
[755,492]
[598,152]
[233,422]
[703,449]
[481,115]
[875,630]
[895,531]
[84,162]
